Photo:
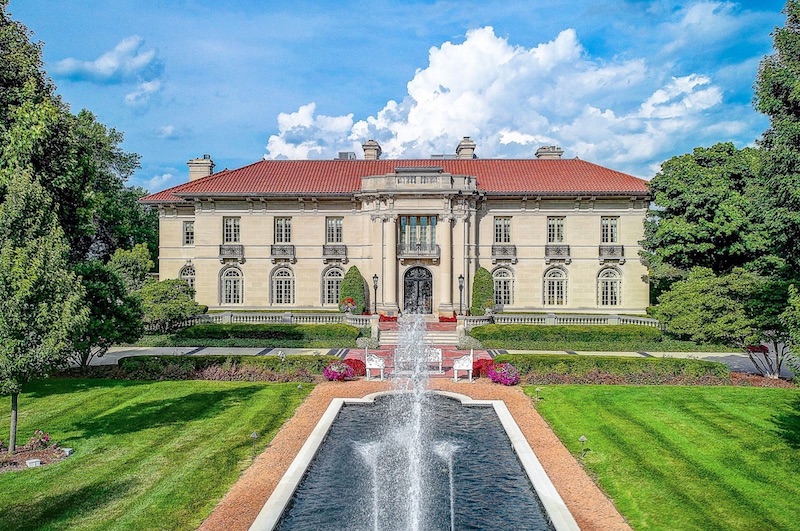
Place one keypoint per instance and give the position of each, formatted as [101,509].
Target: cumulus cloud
[141,94]
[127,61]
[168,132]
[160,182]
[511,99]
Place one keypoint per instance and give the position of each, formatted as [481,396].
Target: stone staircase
[432,337]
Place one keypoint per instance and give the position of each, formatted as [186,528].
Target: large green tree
[168,303]
[115,313]
[40,297]
[777,94]
[132,266]
[79,161]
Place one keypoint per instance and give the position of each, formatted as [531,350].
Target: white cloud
[125,62]
[511,99]
[141,94]
[168,132]
[160,182]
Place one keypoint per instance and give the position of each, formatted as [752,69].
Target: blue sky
[625,84]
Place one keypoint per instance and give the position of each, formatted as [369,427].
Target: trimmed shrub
[367,342]
[565,333]
[354,287]
[272,332]
[538,368]
[183,367]
[482,292]
[468,342]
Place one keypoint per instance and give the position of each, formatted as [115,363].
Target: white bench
[464,363]
[404,361]
[374,362]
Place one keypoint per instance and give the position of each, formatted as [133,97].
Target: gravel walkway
[240,506]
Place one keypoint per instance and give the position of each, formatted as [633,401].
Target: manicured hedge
[656,369]
[564,333]
[271,332]
[156,367]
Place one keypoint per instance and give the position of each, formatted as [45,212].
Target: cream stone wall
[368,223]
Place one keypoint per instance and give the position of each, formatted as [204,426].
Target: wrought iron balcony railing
[556,251]
[504,252]
[281,252]
[417,250]
[611,252]
[334,252]
[229,250]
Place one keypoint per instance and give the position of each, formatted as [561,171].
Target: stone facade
[418,228]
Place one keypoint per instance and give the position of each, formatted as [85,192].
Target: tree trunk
[12,441]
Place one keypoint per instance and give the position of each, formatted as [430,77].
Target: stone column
[446,267]
[390,253]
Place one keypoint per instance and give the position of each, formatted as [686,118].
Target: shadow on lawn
[44,511]
[164,412]
[788,424]
[59,385]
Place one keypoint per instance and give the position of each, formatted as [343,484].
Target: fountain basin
[556,514]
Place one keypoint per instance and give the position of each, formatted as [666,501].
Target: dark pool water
[492,491]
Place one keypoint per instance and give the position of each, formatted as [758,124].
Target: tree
[738,309]
[777,94]
[132,266]
[167,303]
[703,214]
[482,292]
[353,286]
[115,314]
[791,320]
[40,298]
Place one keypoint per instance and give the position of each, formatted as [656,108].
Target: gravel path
[240,506]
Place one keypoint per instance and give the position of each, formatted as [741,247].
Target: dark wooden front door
[418,290]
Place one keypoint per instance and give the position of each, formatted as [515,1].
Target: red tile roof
[343,177]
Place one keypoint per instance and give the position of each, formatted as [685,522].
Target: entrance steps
[432,337]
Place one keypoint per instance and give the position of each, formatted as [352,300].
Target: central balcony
[556,252]
[282,253]
[504,252]
[417,250]
[228,251]
[334,253]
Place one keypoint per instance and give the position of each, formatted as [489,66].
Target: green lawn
[148,455]
[687,457]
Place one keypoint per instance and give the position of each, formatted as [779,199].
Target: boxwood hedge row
[280,332]
[571,333]
[155,367]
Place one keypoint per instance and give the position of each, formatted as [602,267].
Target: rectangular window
[417,232]
[333,230]
[502,230]
[609,231]
[188,232]
[283,230]
[230,230]
[555,230]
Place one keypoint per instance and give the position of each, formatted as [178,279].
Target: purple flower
[338,370]
[503,373]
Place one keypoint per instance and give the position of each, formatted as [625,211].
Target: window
[331,284]
[555,230]
[283,230]
[232,284]
[608,287]
[283,286]
[417,231]
[503,286]
[555,287]
[187,274]
[609,232]
[502,230]
[188,232]
[230,230]
[333,230]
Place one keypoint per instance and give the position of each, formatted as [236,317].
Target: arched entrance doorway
[417,291]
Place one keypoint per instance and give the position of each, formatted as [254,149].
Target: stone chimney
[466,149]
[199,168]
[549,152]
[372,150]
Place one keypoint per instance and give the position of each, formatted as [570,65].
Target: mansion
[557,235]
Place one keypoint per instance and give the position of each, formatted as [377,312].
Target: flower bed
[40,447]
[503,373]
[338,371]
[358,366]
[443,319]
[481,367]
[387,319]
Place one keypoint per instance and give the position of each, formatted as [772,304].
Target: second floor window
[333,230]
[609,231]
[188,232]
[555,230]
[283,230]
[230,230]
[502,230]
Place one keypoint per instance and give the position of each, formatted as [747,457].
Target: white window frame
[554,287]
[333,230]
[609,287]
[609,229]
[283,229]
[231,229]
[231,286]
[188,233]
[331,286]
[188,273]
[555,229]
[503,280]
[502,229]
[283,287]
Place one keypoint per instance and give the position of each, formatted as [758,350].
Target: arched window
[503,286]
[555,287]
[232,286]
[609,287]
[331,283]
[187,274]
[283,286]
